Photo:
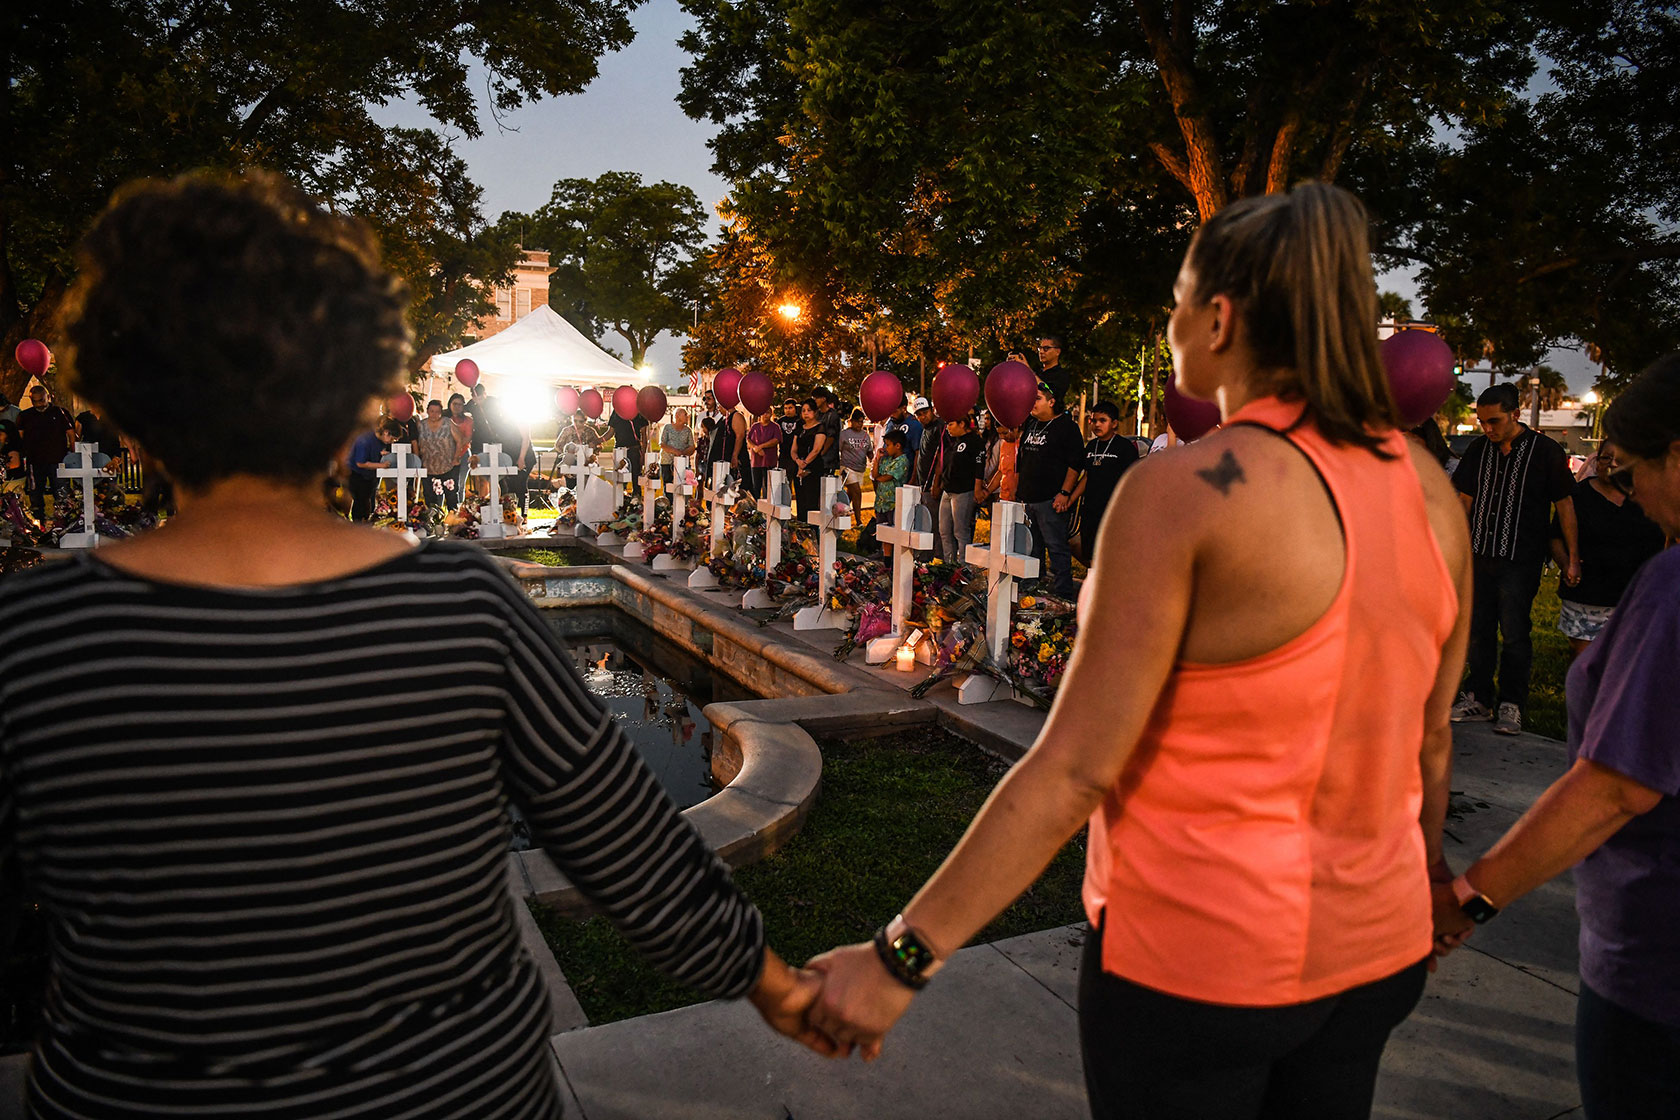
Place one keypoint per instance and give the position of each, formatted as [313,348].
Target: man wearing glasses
[1052,372]
[1510,479]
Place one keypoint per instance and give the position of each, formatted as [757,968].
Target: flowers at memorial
[869,621]
[1041,643]
[116,514]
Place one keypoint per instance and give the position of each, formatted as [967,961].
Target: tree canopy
[95,94]
[625,254]
[986,168]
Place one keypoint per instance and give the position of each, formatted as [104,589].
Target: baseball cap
[919,404]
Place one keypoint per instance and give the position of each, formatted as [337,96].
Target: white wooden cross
[702,576]
[578,468]
[681,490]
[615,476]
[652,487]
[493,466]
[777,507]
[83,464]
[405,465]
[905,540]
[1004,564]
[829,526]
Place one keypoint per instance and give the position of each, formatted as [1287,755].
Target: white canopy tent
[526,362]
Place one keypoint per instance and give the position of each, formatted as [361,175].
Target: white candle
[906,658]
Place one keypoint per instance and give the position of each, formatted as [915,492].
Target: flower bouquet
[1041,643]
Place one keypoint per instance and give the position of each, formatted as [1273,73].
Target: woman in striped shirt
[271,837]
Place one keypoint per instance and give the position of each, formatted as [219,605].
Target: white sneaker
[1509,721]
[1467,708]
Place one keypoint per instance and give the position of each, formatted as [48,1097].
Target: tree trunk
[1201,168]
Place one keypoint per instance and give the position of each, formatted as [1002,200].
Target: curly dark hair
[211,297]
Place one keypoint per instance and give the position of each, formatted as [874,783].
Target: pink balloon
[880,394]
[624,402]
[32,354]
[1011,388]
[650,402]
[400,407]
[466,372]
[593,403]
[566,400]
[757,392]
[727,386]
[954,391]
[1420,370]
[1188,417]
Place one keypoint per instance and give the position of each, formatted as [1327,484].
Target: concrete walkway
[996,1035]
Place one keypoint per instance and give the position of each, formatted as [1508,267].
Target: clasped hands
[841,1001]
[1452,925]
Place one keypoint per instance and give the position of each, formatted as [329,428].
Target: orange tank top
[1262,846]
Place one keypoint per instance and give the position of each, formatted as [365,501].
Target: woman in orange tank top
[1254,722]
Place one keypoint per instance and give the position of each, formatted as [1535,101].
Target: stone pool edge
[769,764]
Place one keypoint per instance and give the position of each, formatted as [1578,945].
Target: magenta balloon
[593,403]
[1011,388]
[466,372]
[1420,370]
[650,402]
[727,386]
[880,394]
[1188,417]
[32,354]
[624,402]
[955,390]
[400,408]
[757,392]
[566,400]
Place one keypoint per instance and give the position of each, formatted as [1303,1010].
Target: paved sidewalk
[997,1035]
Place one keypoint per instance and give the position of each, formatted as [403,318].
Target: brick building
[530,289]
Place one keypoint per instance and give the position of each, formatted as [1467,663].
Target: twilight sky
[628,120]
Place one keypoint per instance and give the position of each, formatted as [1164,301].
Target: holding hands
[843,1000]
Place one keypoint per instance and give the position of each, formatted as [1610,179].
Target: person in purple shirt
[1615,815]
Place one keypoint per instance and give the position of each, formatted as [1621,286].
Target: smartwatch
[1474,903]
[1067,493]
[906,954]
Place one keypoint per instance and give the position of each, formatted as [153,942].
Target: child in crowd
[892,467]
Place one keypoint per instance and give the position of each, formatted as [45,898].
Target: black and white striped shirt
[269,830]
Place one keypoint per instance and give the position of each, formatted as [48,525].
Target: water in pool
[655,690]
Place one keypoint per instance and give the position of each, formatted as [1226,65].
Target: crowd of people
[297,904]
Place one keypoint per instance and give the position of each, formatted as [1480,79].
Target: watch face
[1478,909]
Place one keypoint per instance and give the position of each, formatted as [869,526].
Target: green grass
[890,810]
[553,557]
[1545,714]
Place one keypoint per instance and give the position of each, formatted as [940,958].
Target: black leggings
[1152,1056]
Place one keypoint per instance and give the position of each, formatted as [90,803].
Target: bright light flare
[790,311]
[530,402]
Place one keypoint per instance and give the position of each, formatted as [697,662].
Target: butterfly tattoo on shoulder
[1223,474]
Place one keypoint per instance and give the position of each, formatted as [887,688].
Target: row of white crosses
[1005,562]
[904,538]
[681,490]
[701,578]
[493,466]
[829,526]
